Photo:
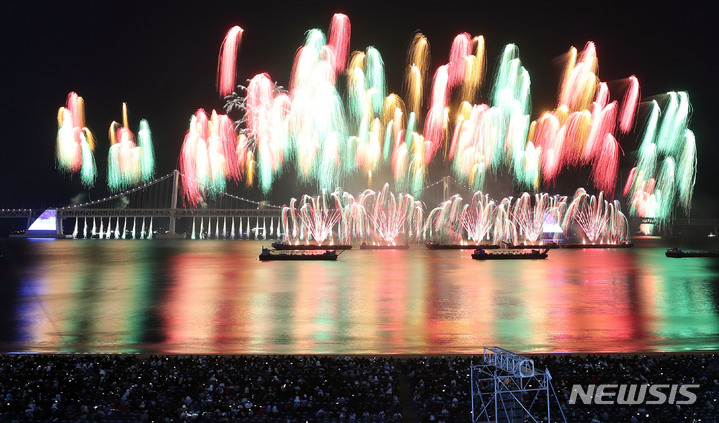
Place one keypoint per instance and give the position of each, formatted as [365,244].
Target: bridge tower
[445,188]
[173,203]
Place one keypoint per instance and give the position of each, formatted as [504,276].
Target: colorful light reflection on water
[216,297]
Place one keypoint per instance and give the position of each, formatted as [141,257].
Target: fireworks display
[75,143]
[338,120]
[328,140]
[523,220]
[129,162]
[383,218]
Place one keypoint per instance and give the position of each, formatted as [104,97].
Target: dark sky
[161,59]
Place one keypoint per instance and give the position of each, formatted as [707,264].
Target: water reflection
[216,297]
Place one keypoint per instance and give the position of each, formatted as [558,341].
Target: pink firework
[434,124]
[606,164]
[227,61]
[75,143]
[549,134]
[208,156]
[392,215]
[629,105]
[339,41]
[461,48]
[603,123]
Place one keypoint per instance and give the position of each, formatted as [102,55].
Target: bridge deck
[178,213]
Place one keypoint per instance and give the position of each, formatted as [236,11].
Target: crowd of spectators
[198,388]
[324,389]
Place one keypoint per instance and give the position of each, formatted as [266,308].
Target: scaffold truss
[506,387]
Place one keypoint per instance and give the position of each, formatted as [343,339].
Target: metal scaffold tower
[507,388]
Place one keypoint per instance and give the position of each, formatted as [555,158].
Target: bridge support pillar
[58,224]
[173,205]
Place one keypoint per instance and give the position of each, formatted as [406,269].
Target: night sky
[161,59]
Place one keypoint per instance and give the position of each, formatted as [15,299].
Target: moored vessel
[677,253]
[268,255]
[480,254]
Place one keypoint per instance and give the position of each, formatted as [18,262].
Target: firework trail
[443,221]
[463,68]
[529,218]
[505,229]
[618,230]
[339,45]
[315,218]
[488,138]
[75,143]
[599,219]
[226,62]
[417,66]
[665,170]
[436,121]
[129,163]
[629,105]
[317,128]
[478,218]
[267,120]
[582,130]
[208,156]
[353,224]
[391,215]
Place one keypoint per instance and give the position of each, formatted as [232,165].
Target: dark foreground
[169,388]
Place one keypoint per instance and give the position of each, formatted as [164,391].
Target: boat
[365,246]
[434,245]
[268,255]
[624,244]
[677,253]
[480,254]
[283,246]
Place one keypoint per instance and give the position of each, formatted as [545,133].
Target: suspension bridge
[155,209]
